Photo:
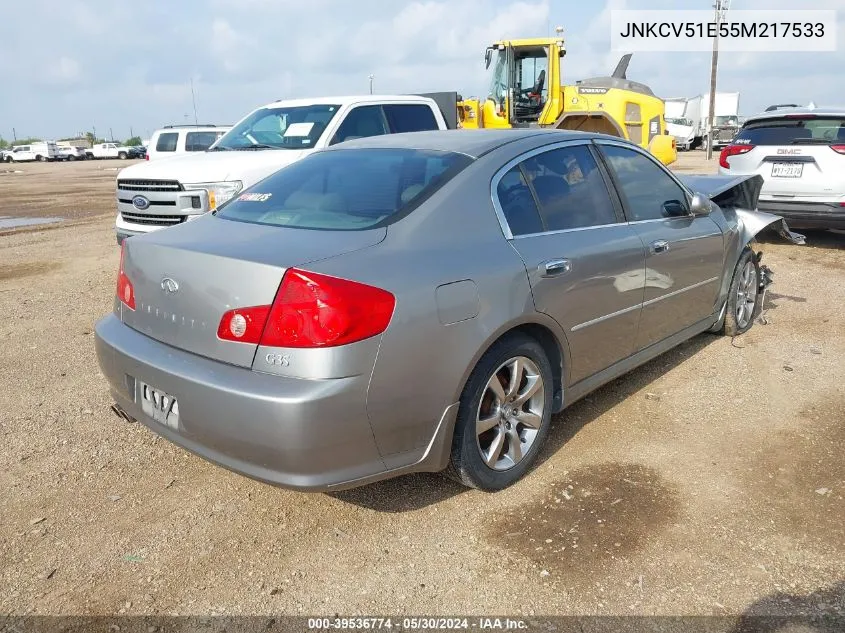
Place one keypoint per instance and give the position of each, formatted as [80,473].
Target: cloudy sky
[70,65]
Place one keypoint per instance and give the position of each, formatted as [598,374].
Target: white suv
[800,153]
[172,140]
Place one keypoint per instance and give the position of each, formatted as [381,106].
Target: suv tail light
[312,310]
[732,150]
[125,291]
[839,149]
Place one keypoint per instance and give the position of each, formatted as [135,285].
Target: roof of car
[781,112]
[471,142]
[343,100]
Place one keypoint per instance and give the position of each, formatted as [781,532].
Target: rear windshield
[791,131]
[346,190]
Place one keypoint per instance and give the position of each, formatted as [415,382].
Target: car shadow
[816,238]
[420,490]
[822,611]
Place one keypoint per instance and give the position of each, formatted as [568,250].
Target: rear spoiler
[448,104]
[740,193]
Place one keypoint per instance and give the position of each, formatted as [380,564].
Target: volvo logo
[140,202]
[169,286]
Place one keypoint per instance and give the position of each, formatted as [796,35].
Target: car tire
[743,296]
[122,155]
[475,462]
[71,158]
[40,159]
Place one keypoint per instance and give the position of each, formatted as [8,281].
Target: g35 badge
[281,360]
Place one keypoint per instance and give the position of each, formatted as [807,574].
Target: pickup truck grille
[149,185]
[153,220]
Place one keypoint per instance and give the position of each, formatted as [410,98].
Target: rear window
[792,131]
[199,141]
[346,190]
[167,142]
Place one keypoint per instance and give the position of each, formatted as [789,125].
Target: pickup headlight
[218,192]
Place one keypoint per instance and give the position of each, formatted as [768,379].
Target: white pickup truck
[157,194]
[108,150]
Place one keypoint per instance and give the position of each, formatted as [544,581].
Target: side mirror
[700,204]
[488,56]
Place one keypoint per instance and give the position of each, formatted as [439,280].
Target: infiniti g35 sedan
[423,302]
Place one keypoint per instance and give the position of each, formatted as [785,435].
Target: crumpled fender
[739,195]
[752,222]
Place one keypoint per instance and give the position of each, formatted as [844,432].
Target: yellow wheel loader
[525,89]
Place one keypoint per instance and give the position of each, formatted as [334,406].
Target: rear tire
[743,298]
[40,159]
[502,424]
[122,156]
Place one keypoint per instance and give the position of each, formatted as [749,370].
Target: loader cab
[524,82]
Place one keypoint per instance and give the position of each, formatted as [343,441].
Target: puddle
[590,520]
[8,222]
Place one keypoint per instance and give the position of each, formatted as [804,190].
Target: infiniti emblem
[140,202]
[169,285]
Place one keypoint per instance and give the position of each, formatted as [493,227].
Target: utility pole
[14,134]
[194,101]
[721,7]
[111,135]
[371,83]
[131,133]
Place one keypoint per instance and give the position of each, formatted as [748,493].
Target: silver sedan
[423,302]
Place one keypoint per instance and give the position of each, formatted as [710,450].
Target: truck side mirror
[488,56]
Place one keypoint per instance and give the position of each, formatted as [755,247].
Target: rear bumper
[301,434]
[806,215]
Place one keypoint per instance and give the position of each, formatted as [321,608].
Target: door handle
[555,267]
[659,246]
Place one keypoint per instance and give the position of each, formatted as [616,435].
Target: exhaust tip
[121,413]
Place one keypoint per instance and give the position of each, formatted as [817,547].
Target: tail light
[732,150]
[839,149]
[312,310]
[125,291]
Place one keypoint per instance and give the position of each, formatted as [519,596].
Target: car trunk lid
[186,277]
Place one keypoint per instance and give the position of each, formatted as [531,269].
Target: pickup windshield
[793,131]
[346,190]
[279,128]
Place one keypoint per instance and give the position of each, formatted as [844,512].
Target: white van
[172,140]
[42,151]
[153,196]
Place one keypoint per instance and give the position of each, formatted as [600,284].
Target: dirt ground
[709,481]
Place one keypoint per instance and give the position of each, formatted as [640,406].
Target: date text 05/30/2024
[416,624]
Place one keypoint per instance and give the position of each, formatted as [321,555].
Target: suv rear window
[346,190]
[167,142]
[793,131]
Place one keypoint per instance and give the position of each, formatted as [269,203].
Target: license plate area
[787,170]
[159,405]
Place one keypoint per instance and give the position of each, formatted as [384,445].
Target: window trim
[617,186]
[518,160]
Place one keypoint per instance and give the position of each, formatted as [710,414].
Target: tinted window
[361,122]
[199,141]
[345,190]
[167,142]
[518,204]
[649,191]
[570,189]
[793,131]
[413,117]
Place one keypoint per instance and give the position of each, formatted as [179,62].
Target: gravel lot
[710,481]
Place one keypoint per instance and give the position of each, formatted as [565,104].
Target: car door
[584,262]
[684,252]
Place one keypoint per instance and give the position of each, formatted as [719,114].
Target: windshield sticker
[255,197]
[299,129]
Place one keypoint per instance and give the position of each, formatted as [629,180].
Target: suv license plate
[159,405]
[787,170]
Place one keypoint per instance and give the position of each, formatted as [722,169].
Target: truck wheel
[122,155]
[40,158]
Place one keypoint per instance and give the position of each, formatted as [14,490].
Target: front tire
[504,415]
[743,296]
